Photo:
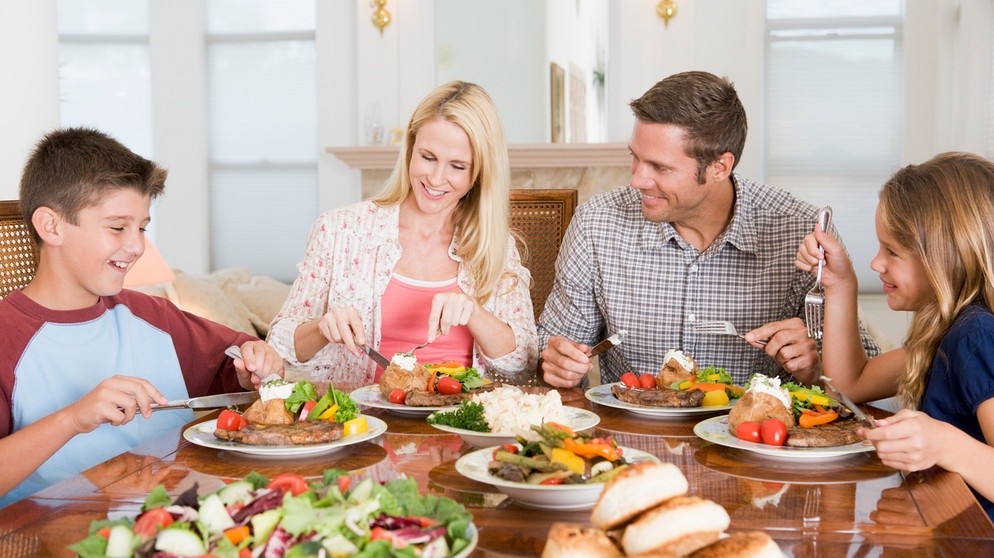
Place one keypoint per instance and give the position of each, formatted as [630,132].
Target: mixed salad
[287,516]
[558,456]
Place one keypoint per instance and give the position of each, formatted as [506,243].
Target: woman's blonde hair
[943,212]
[481,217]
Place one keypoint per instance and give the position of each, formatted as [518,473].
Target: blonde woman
[430,258]
[936,259]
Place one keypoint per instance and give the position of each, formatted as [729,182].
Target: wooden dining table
[862,508]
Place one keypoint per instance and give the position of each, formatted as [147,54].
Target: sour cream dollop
[764,384]
[681,358]
[404,361]
[275,389]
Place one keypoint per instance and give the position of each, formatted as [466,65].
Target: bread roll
[568,540]
[636,489]
[681,525]
[757,406]
[754,544]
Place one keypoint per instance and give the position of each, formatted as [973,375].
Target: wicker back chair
[18,251]
[540,218]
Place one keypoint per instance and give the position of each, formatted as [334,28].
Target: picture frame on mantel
[558,102]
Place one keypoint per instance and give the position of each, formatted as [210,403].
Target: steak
[418,398]
[658,397]
[840,432]
[303,433]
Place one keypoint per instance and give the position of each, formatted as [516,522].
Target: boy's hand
[258,361]
[115,400]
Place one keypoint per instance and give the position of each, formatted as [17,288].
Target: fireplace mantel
[589,167]
[539,155]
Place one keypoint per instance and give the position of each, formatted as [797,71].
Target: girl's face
[901,271]
[441,166]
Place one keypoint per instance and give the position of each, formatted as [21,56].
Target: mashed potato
[509,410]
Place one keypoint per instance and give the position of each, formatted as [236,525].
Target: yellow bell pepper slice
[571,460]
[813,398]
[715,398]
[357,425]
[329,413]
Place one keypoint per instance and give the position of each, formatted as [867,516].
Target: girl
[935,225]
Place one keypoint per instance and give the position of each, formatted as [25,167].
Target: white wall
[947,62]
[29,99]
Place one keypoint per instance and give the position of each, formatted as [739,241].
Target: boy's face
[107,241]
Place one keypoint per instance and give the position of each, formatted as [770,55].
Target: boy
[82,356]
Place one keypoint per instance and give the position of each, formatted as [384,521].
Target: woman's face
[441,166]
[901,270]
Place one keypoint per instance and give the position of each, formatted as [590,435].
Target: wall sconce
[667,11]
[381,17]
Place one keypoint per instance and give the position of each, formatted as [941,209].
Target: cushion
[263,296]
[203,296]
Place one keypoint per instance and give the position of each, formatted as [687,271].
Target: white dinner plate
[474,539]
[602,396]
[370,396]
[202,434]
[715,430]
[576,418]
[473,465]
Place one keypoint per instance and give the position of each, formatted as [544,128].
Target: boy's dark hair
[706,107]
[72,168]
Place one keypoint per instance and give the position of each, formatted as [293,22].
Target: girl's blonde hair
[943,212]
[481,217]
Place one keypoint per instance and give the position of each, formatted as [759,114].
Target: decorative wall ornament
[381,17]
[666,10]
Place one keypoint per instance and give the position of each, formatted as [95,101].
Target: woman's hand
[343,326]
[450,309]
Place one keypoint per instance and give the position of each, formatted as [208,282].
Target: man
[686,241]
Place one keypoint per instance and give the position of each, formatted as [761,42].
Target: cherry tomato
[344,482]
[647,381]
[749,431]
[553,481]
[773,432]
[447,385]
[289,482]
[149,522]
[630,380]
[398,396]
[104,532]
[231,420]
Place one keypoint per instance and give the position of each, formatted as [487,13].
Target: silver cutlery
[814,300]
[376,356]
[608,343]
[720,327]
[209,401]
[848,402]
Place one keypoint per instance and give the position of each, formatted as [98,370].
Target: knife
[848,403]
[606,344]
[376,356]
[210,401]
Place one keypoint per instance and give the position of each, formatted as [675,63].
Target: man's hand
[565,363]
[789,345]
[258,361]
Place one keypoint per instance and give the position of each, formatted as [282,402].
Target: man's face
[664,173]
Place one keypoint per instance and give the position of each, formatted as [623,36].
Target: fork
[720,327]
[814,300]
[421,346]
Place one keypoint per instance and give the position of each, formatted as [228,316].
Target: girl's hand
[837,269]
[343,326]
[258,361]
[910,440]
